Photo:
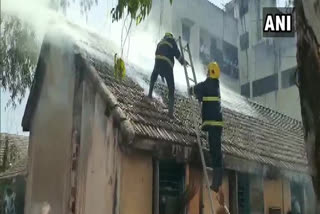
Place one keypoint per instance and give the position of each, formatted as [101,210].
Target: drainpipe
[282,196]
[156,187]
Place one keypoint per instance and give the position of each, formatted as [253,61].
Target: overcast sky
[11,118]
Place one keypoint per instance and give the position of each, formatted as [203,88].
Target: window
[243,193]
[245,90]
[230,56]
[170,179]
[244,41]
[265,85]
[297,197]
[243,7]
[213,44]
[288,77]
[215,53]
[256,194]
[185,32]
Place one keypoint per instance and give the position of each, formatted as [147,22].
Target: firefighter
[166,50]
[208,92]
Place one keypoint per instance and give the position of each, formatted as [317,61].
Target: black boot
[216,179]
[150,90]
[171,107]
[153,79]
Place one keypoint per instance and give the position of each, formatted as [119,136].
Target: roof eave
[36,87]
[113,109]
[231,162]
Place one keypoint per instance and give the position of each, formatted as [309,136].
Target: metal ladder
[194,113]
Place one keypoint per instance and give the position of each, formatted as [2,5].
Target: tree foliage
[138,9]
[19,49]
[18,55]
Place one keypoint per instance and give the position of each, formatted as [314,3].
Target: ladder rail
[196,125]
[191,64]
[184,66]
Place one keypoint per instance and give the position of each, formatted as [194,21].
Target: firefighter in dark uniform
[208,92]
[166,50]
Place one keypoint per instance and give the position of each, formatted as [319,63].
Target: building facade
[267,65]
[259,68]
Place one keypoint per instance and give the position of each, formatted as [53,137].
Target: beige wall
[277,194]
[102,160]
[195,176]
[225,188]
[136,183]
[50,135]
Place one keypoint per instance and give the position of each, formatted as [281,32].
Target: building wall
[195,176]
[263,58]
[50,135]
[99,159]
[277,194]
[206,200]
[136,183]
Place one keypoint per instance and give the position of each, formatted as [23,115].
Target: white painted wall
[263,59]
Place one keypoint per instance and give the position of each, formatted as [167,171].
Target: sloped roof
[17,154]
[252,132]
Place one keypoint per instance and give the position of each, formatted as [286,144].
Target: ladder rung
[191,79]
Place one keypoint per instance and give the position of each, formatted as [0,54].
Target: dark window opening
[230,64]
[243,193]
[170,181]
[213,44]
[243,7]
[185,32]
[244,41]
[288,78]
[256,194]
[232,175]
[245,90]
[297,198]
[215,53]
[265,85]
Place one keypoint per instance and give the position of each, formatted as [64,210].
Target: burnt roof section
[16,153]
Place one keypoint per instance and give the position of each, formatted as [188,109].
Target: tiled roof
[251,132]
[17,154]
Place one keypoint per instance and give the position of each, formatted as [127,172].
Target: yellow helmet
[214,70]
[168,34]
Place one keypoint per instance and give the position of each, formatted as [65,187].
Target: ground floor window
[169,180]
[243,193]
[297,198]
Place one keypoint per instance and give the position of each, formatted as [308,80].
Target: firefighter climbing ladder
[194,113]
